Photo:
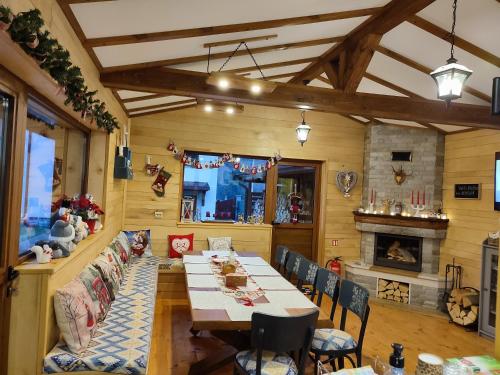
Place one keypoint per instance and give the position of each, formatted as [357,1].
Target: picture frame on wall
[467,191]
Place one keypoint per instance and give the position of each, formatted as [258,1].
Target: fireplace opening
[403,252]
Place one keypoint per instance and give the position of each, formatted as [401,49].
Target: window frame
[33,96]
[268,182]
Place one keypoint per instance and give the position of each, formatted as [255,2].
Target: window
[225,193]
[55,164]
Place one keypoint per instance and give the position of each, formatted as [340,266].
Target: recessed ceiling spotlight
[256,89]
[229,110]
[304,107]
[208,108]
[223,84]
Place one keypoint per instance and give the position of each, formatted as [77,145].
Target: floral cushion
[326,339]
[98,291]
[75,315]
[272,363]
[219,243]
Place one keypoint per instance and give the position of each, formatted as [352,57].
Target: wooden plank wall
[257,131]
[469,158]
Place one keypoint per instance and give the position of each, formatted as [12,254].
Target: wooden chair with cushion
[306,275]
[338,344]
[273,339]
[280,257]
[292,264]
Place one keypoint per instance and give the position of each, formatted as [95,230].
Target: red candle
[375,197]
[424,197]
[412,197]
[371,199]
[418,197]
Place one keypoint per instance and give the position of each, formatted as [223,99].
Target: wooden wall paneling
[259,131]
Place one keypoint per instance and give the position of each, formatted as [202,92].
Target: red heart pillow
[178,244]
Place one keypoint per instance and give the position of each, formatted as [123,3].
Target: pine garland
[25,28]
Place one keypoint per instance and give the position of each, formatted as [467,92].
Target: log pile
[393,291]
[463,306]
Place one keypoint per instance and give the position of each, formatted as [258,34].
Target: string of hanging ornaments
[188,159]
[450,78]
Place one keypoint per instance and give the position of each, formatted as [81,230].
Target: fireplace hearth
[398,251]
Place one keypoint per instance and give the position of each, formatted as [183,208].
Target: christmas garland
[186,159]
[25,29]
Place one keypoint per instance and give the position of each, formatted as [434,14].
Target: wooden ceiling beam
[194,84]
[163,110]
[391,15]
[233,42]
[144,97]
[459,42]
[226,29]
[222,55]
[163,105]
[272,65]
[426,70]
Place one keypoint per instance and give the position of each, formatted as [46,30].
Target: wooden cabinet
[487,308]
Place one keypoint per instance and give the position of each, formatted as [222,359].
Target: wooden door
[295,207]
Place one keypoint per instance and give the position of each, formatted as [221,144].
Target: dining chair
[327,283]
[273,340]
[292,264]
[306,275]
[338,344]
[280,257]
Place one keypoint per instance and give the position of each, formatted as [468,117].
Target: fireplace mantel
[401,221]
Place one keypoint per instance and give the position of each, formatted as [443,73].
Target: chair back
[306,273]
[327,282]
[283,334]
[292,264]
[280,256]
[353,297]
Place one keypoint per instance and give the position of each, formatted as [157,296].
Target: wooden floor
[174,349]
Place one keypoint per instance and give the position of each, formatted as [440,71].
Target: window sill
[32,267]
[225,225]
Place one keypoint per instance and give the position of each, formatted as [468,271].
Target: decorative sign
[467,191]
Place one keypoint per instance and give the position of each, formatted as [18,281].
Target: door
[296,206]
[7,273]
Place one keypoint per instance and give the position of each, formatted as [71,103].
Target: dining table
[226,312]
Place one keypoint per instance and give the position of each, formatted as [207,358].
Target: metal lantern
[450,79]
[302,131]
[187,210]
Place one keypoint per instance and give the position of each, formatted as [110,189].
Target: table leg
[237,340]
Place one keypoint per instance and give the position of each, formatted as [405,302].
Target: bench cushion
[121,343]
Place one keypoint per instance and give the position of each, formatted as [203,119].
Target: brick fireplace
[398,251]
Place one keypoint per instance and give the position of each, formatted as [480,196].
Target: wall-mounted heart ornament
[346,180]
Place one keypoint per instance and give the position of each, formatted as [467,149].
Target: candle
[148,159]
[371,198]
[418,197]
[412,197]
[424,197]
[375,196]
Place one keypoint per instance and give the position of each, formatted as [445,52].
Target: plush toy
[58,251]
[43,254]
[63,233]
[81,231]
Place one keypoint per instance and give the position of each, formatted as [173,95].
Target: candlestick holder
[371,208]
[417,208]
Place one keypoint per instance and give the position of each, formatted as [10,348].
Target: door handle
[12,273]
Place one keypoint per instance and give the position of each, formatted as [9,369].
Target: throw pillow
[110,269]
[115,260]
[219,243]
[179,244]
[122,237]
[75,315]
[140,242]
[98,291]
[121,253]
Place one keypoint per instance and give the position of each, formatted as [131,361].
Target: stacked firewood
[463,306]
[393,291]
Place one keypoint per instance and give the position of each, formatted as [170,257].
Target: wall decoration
[467,191]
[160,182]
[400,175]
[150,168]
[186,159]
[346,180]
[187,210]
[25,29]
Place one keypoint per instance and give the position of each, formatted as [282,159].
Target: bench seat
[121,343]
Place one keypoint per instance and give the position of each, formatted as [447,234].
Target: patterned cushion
[98,291]
[107,264]
[219,243]
[332,339]
[121,253]
[120,344]
[272,363]
[122,237]
[75,315]
[140,242]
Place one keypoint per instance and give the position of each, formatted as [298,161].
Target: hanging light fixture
[302,130]
[450,78]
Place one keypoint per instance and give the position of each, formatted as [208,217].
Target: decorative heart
[346,180]
[180,245]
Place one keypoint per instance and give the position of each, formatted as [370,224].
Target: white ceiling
[477,22]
